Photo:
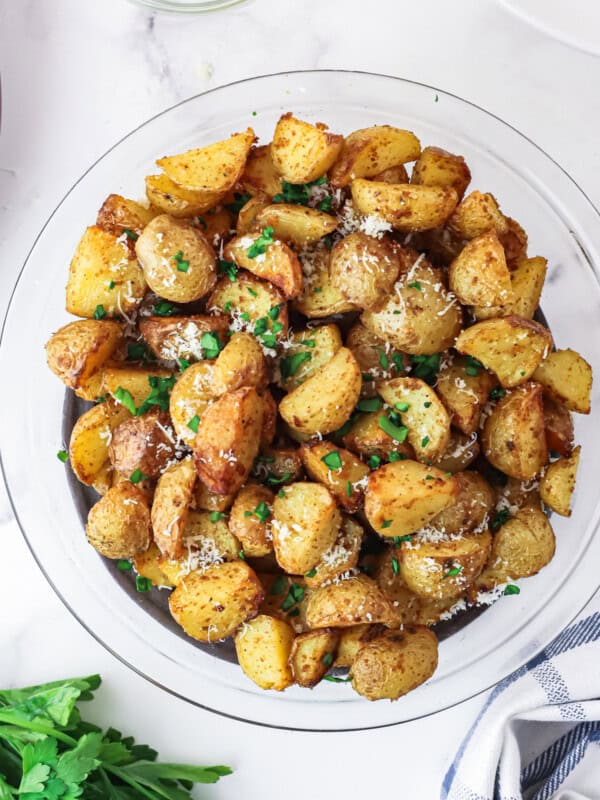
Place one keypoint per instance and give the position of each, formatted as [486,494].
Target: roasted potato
[306,523]
[394,663]
[320,298]
[175,338]
[396,174]
[367,438]
[527,280]
[91,437]
[278,466]
[302,152]
[296,224]
[190,398]
[350,640]
[312,654]
[403,496]
[118,214]
[250,519]
[364,269]
[355,600]
[306,353]
[375,357]
[147,564]
[339,470]
[559,427]
[215,168]
[370,151]
[209,534]
[240,363]
[513,436]
[426,421]
[178,261]
[228,439]
[205,500]
[170,506]
[133,379]
[460,452]
[436,167]
[472,506]
[511,347]
[476,214]
[567,378]
[308,409]
[479,275]
[145,443]
[264,646]
[286,598]
[408,207]
[558,483]
[118,526]
[211,605]
[104,276]
[246,220]
[420,317]
[177,201]
[520,548]
[77,351]
[341,558]
[464,388]
[277,263]
[260,176]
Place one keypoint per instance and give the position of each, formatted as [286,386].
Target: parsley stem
[120,773]
[38,727]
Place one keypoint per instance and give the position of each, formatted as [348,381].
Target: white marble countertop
[78,75]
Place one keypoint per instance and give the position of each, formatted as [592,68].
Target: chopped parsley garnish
[297,193]
[160,389]
[402,406]
[101,398]
[261,325]
[317,290]
[124,565]
[137,476]
[251,292]
[415,285]
[165,309]
[295,595]
[245,316]
[386,523]
[281,493]
[227,307]
[99,312]
[180,262]
[522,372]
[429,478]
[496,393]
[184,364]
[332,460]
[130,234]
[426,367]
[262,512]
[227,268]
[398,361]
[393,456]
[239,201]
[452,573]
[241,555]
[436,99]
[308,342]
[427,404]
[425,441]
[259,247]
[395,566]
[124,397]
[399,539]
[273,480]
[345,428]
[289,365]
[374,461]
[511,589]
[499,519]
[327,659]
[311,573]
[367,378]
[215,516]
[333,679]
[348,488]
[326,203]
[397,432]
[136,351]
[384,361]
[473,366]
[273,312]
[370,404]
[279,585]
[211,346]
[193,423]
[142,584]
[111,285]
[63,456]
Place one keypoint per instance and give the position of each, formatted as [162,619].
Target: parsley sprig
[299,193]
[258,247]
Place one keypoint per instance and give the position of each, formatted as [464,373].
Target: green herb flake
[124,565]
[415,285]
[245,316]
[499,519]
[239,201]
[62,456]
[241,555]
[395,566]
[396,432]
[211,346]
[183,364]
[511,589]
[99,312]
[425,441]
[317,290]
[193,423]
[327,659]
[452,573]
[160,390]
[289,365]
[251,292]
[393,456]
[436,99]
[399,539]
[398,362]
[165,309]
[111,285]
[496,393]
[522,372]
[273,313]
[334,679]
[279,585]
[374,461]
[124,397]
[326,203]
[262,512]
[136,351]
[281,494]
[384,361]
[311,573]
[370,404]
[130,234]
[259,246]
[426,367]
[227,268]
[273,480]
[180,262]
[429,477]
[201,222]
[333,460]
[297,193]
[427,404]
[227,307]
[402,406]
[137,476]
[386,523]
[215,516]
[472,366]
[142,584]
[294,596]
[348,489]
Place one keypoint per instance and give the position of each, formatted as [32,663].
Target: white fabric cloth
[537,736]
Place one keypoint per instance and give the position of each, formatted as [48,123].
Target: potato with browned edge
[339,470]
[118,526]
[250,519]
[370,151]
[364,269]
[437,167]
[464,393]
[145,443]
[296,224]
[240,363]
[170,506]
[312,654]
[341,558]
[558,483]
[472,506]
[302,152]
[211,605]
[558,423]
[306,353]
[90,439]
[407,207]
[479,274]
[349,602]
[320,298]
[117,215]
[174,338]
[263,647]
[277,263]
[567,377]
[260,176]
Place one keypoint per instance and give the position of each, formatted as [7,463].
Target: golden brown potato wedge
[437,167]
[513,437]
[264,646]
[464,393]
[479,275]
[278,264]
[320,298]
[205,500]
[341,558]
[178,261]
[170,198]
[349,602]
[248,212]
[305,524]
[339,470]
[374,356]
[104,276]
[260,176]
[350,640]
[190,397]
[211,605]
[306,353]
[209,536]
[302,152]
[147,564]
[91,437]
[77,351]
[145,443]
[472,506]
[527,281]
[215,168]
[567,377]
[423,415]
[240,363]
[394,663]
[173,338]
[396,174]
[476,214]
[511,347]
[367,438]
[296,224]
[118,214]
[278,466]
[308,409]
[118,526]
[312,655]
[369,151]
[228,439]
[558,483]
[420,317]
[364,269]
[285,598]
[172,498]
[403,496]
[520,548]
[408,207]
[133,379]
[461,451]
[104,479]
[250,519]
[559,427]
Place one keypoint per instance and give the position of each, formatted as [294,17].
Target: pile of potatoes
[323,413]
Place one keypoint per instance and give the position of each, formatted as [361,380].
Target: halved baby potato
[527,281]
[240,363]
[312,654]
[364,269]
[172,498]
[370,151]
[118,214]
[133,379]
[146,443]
[320,298]
[297,224]
[249,299]
[177,201]
[479,275]
[341,558]
[174,338]
[464,393]
[250,519]
[306,352]
[408,207]
[567,377]
[476,214]
[260,176]
[352,601]
[437,167]
[264,648]
[558,483]
[118,526]
[302,152]
[278,264]
[190,397]
[339,470]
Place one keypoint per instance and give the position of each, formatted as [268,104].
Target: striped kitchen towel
[538,734]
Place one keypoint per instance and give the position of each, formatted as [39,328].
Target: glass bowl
[562,225]
[187,6]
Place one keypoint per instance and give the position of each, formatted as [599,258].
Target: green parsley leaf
[415,285]
[386,523]
[137,476]
[402,406]
[499,519]
[252,292]
[496,393]
[397,432]
[384,361]
[295,595]
[281,493]
[124,565]
[399,539]
[452,573]
[215,516]
[393,456]
[395,566]
[227,268]
[239,201]
[311,573]
[241,555]
[227,307]
[426,367]
[374,461]
[279,585]
[333,460]
[130,234]
[259,247]
[160,390]
[111,285]
[184,364]
[211,346]
[136,351]
[273,313]
[180,262]
[99,312]
[327,659]
[326,203]
[334,679]
[427,404]
[142,584]
[425,441]
[274,480]
[436,99]
[165,309]
[124,397]
[262,511]
[348,489]
[289,365]
[472,366]
[511,589]
[193,423]
[201,222]
[370,404]
[63,456]
[398,362]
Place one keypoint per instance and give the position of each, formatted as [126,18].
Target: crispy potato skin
[340,482]
[364,269]
[211,605]
[279,264]
[340,558]
[249,527]
[567,377]
[143,443]
[350,640]
[474,501]
[118,526]
[401,498]
[394,663]
[437,167]
[463,394]
[559,427]
[319,344]
[308,653]
[190,397]
[479,275]
[370,151]
[147,564]
[170,507]
[308,410]
[558,483]
[133,378]
[88,446]
[260,176]
[527,281]
[168,197]
[251,296]
[513,437]
[240,363]
[408,207]
[350,602]
[157,249]
[476,214]
[246,220]
[264,646]
[117,214]
[320,297]
[228,439]
[77,351]
[172,338]
[366,438]
[461,451]
[302,152]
